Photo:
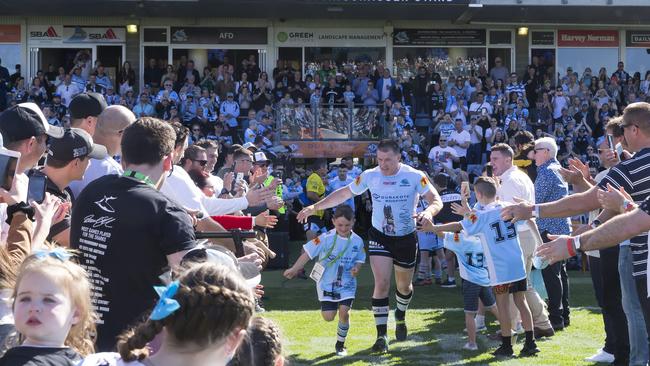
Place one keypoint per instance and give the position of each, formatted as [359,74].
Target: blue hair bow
[57,253]
[166,304]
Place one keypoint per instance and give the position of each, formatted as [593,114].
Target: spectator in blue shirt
[143,108]
[102,78]
[550,187]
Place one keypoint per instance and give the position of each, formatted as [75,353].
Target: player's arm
[435,203]
[332,200]
[451,227]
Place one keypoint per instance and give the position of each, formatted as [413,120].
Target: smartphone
[619,150]
[610,142]
[36,188]
[8,164]
[488,170]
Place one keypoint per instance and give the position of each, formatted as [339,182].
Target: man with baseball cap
[110,128]
[25,129]
[84,109]
[67,160]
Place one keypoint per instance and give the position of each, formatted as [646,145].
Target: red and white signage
[94,34]
[45,33]
[587,38]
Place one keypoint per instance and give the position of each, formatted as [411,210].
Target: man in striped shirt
[515,86]
[632,175]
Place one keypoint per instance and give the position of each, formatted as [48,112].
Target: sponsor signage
[45,34]
[637,38]
[587,38]
[334,37]
[94,34]
[439,37]
[218,35]
[327,149]
[542,38]
[9,33]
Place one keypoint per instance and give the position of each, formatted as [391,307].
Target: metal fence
[329,122]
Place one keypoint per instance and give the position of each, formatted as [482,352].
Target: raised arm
[332,200]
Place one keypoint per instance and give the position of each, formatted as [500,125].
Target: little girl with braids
[52,312]
[203,317]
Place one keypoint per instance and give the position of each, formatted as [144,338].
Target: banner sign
[9,33]
[542,38]
[94,35]
[334,37]
[45,33]
[587,38]
[439,37]
[637,38]
[218,35]
[330,149]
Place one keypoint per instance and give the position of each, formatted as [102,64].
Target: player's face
[388,161]
[343,226]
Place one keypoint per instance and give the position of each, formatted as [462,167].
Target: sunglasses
[201,162]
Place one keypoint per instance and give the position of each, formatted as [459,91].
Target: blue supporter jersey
[471,260]
[394,198]
[501,248]
[338,255]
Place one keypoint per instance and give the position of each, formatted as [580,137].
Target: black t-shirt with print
[124,230]
[40,356]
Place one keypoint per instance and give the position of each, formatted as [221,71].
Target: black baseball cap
[75,143]
[87,105]
[25,120]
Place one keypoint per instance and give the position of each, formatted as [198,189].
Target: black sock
[380,310]
[530,338]
[506,341]
[339,344]
[403,302]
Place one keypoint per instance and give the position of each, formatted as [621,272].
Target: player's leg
[438,256]
[503,304]
[343,327]
[404,257]
[381,270]
[424,266]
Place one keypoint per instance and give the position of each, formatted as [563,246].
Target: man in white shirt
[442,155]
[516,184]
[477,107]
[474,152]
[67,91]
[460,139]
[212,152]
[110,126]
[180,187]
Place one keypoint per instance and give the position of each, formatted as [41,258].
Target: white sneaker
[480,327]
[519,329]
[470,346]
[601,357]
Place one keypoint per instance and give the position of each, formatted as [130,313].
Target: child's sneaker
[381,345]
[341,351]
[470,346]
[422,282]
[530,349]
[519,329]
[504,351]
[448,284]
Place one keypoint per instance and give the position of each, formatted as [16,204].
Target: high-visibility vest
[278,191]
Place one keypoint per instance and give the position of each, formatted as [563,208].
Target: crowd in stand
[199,148]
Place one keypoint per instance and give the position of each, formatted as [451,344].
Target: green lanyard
[139,177]
[340,253]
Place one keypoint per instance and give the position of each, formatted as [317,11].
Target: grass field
[435,320]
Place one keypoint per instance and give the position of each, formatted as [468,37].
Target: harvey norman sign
[335,37]
[587,38]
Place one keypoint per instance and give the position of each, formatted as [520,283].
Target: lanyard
[139,177]
[340,253]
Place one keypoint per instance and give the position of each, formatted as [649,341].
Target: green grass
[435,320]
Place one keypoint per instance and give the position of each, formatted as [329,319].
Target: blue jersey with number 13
[503,256]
